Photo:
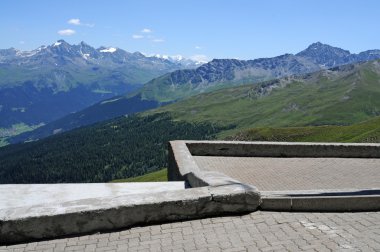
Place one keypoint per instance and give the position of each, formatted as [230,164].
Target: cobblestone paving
[258,231]
[272,174]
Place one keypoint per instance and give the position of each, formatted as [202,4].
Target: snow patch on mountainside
[190,62]
[109,50]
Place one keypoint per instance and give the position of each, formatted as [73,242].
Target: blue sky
[244,29]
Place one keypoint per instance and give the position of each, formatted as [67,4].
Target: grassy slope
[345,99]
[156,176]
[163,90]
[368,131]
[3,141]
[341,98]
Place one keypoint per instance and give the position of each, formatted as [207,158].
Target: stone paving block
[283,231]
[277,174]
[44,246]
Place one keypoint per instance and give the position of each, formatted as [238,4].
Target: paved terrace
[213,166]
[281,174]
[258,231]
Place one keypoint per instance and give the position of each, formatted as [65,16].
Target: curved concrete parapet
[182,166]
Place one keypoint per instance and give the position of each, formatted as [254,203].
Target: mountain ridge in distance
[342,95]
[216,74]
[315,57]
[47,83]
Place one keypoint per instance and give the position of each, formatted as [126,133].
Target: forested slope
[121,148]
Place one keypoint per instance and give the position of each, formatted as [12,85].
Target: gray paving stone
[258,231]
[281,174]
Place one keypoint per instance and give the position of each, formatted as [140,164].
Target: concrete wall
[182,166]
[101,214]
[282,149]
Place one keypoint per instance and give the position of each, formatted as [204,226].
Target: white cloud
[158,40]
[200,58]
[136,36]
[74,21]
[198,47]
[66,32]
[146,30]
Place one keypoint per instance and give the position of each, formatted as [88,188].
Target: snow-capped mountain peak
[83,53]
[179,59]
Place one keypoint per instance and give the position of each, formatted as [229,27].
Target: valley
[121,148]
[336,104]
[220,74]
[50,82]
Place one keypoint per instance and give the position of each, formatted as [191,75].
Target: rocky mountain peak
[61,43]
[325,55]
[320,48]
[82,43]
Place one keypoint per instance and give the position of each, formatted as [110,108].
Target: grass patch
[157,176]
[101,91]
[3,141]
[14,130]
[367,132]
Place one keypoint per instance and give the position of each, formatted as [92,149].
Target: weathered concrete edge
[337,200]
[101,214]
[283,149]
[182,167]
[322,203]
[322,192]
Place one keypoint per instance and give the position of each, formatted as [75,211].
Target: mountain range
[211,76]
[42,85]
[133,145]
[341,95]
[226,72]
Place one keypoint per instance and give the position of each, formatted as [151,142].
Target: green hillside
[295,109]
[368,132]
[157,176]
[120,148]
[341,96]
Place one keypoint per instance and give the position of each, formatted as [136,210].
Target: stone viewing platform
[29,195]
[222,178]
[288,176]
